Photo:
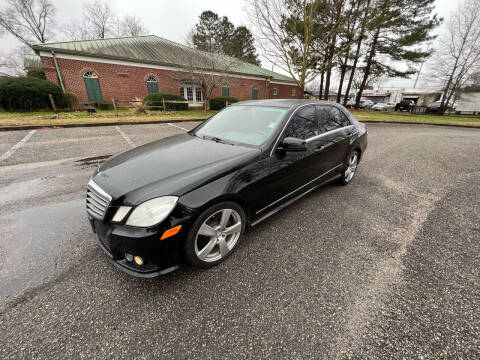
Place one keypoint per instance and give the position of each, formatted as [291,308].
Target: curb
[32,127]
[417,123]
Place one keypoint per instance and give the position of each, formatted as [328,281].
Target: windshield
[251,125]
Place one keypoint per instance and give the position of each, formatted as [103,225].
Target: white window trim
[275,91]
[195,89]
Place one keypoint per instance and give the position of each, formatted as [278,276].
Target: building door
[255,92]
[93,86]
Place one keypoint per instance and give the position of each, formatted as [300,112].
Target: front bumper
[160,256]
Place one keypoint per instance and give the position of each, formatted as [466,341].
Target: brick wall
[124,82]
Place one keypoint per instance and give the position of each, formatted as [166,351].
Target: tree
[30,21]
[458,59]
[397,27]
[242,46]
[99,19]
[132,26]
[206,35]
[218,35]
[207,70]
[296,35]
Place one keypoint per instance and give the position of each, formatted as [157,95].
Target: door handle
[320,148]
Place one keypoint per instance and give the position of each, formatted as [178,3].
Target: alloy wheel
[352,167]
[218,235]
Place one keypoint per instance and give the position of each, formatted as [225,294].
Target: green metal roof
[152,49]
[32,62]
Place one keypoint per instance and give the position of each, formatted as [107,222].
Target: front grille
[97,201]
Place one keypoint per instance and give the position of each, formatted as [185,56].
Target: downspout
[266,85]
[59,75]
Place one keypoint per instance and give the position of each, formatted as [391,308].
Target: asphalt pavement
[387,267]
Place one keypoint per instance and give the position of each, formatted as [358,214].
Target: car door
[289,171]
[333,142]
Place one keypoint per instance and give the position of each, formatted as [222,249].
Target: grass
[49,118]
[406,117]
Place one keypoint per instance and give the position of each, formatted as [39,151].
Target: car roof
[285,103]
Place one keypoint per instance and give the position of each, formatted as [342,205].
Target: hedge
[220,102]
[70,100]
[26,94]
[156,100]
[36,74]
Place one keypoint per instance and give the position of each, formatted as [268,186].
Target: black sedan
[189,197]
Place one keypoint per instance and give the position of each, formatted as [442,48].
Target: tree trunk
[320,91]
[327,83]
[357,56]
[366,74]
[343,70]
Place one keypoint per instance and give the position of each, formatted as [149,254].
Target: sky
[174,19]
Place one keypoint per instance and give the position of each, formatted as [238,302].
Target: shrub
[156,100]
[220,102]
[102,105]
[28,94]
[70,101]
[36,74]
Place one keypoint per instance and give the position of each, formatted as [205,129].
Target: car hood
[171,166]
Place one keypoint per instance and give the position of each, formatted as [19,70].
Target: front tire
[351,169]
[215,234]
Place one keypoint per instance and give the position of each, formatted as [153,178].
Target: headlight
[152,212]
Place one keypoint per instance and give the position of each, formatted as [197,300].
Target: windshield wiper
[218,140]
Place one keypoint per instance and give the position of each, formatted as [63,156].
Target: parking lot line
[17,146]
[177,126]
[127,139]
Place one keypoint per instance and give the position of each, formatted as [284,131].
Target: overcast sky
[173,19]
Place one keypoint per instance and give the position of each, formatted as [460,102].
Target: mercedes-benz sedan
[190,197]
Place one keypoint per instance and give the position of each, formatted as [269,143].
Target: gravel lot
[385,268]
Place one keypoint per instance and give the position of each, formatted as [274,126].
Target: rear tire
[351,168]
[215,234]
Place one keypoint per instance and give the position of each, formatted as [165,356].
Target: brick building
[129,67]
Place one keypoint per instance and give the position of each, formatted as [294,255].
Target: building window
[192,93]
[92,84]
[255,92]
[275,91]
[294,92]
[225,90]
[152,85]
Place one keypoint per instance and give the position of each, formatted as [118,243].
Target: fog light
[138,260]
[129,257]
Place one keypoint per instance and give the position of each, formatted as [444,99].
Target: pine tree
[396,29]
[218,35]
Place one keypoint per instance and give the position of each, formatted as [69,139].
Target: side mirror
[293,144]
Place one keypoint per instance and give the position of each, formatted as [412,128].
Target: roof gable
[152,49]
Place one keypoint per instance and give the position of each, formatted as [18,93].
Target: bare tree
[13,61]
[458,56]
[291,35]
[30,21]
[100,18]
[209,71]
[131,25]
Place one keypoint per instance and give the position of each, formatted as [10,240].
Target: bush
[220,102]
[70,101]
[156,100]
[102,105]
[36,74]
[26,94]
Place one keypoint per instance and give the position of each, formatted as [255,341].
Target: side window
[303,124]
[331,118]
